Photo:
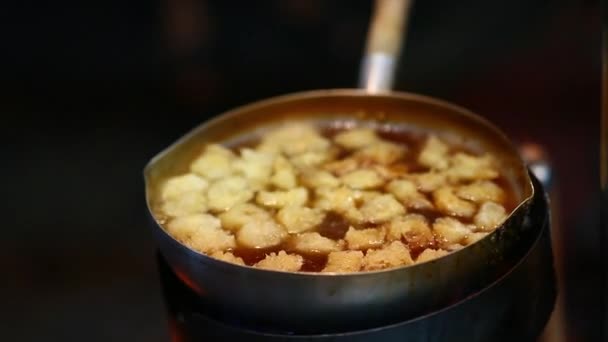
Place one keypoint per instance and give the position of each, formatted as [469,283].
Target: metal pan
[323,303]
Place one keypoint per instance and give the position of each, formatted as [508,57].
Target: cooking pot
[329,303]
[514,307]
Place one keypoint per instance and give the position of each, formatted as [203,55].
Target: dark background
[91,91]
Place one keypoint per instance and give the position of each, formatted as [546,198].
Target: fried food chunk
[339,199]
[280,199]
[312,158]
[228,192]
[201,232]
[294,139]
[260,234]
[465,167]
[430,254]
[406,191]
[313,242]
[450,204]
[319,179]
[342,166]
[284,176]
[413,227]
[450,231]
[481,191]
[363,239]
[429,181]
[356,138]
[241,214]
[344,262]
[382,152]
[228,257]
[255,166]
[215,162]
[177,186]
[381,208]
[351,197]
[362,179]
[186,204]
[434,154]
[474,237]
[490,216]
[390,172]
[393,255]
[297,219]
[281,262]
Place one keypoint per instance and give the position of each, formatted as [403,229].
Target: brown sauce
[417,247]
[313,262]
[335,226]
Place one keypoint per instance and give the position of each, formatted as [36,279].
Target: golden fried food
[299,198]
[281,261]
[430,254]
[344,262]
[362,239]
[393,255]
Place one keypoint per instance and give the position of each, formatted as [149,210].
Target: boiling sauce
[335,226]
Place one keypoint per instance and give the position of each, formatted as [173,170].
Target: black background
[91,91]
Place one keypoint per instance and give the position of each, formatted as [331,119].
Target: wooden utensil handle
[384,42]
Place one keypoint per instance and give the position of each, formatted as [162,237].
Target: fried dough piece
[434,154]
[297,219]
[284,175]
[474,237]
[241,214]
[177,186]
[228,257]
[280,199]
[362,179]
[297,138]
[184,195]
[406,192]
[429,181]
[450,231]
[313,158]
[342,166]
[201,232]
[490,216]
[256,166]
[363,239]
[344,262]
[313,242]
[413,227]
[382,152]
[381,208]
[281,262]
[465,167]
[186,204]
[261,234]
[481,191]
[450,204]
[431,254]
[393,255]
[214,163]
[228,192]
[319,179]
[356,138]
[337,199]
